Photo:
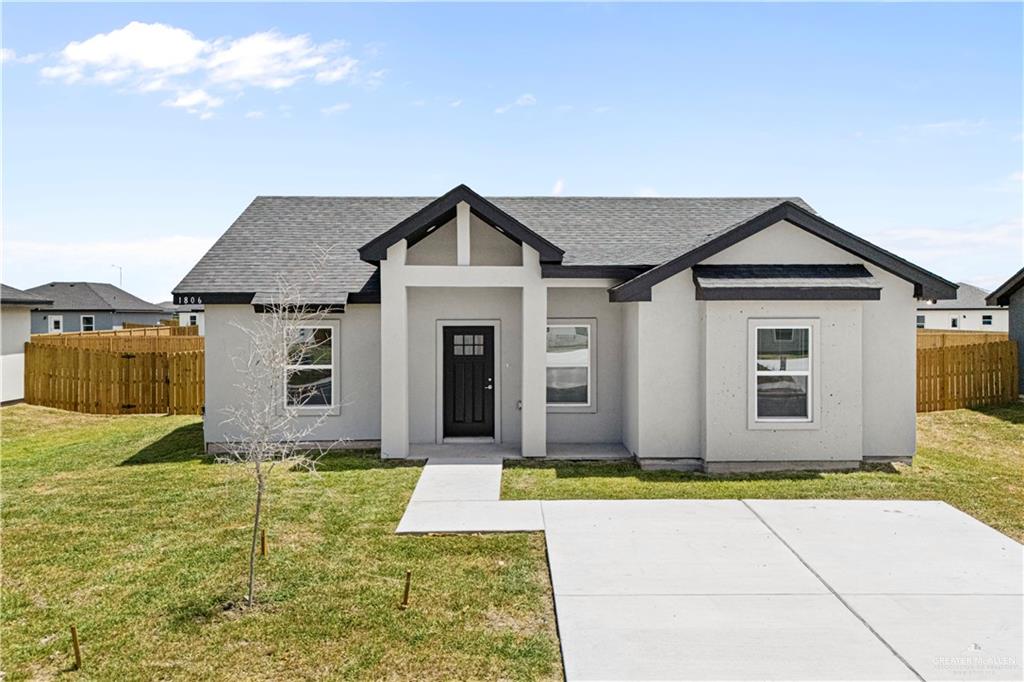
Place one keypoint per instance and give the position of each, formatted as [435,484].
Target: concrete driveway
[757,589]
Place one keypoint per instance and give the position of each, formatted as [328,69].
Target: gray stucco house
[1011,293]
[90,306]
[720,334]
[15,329]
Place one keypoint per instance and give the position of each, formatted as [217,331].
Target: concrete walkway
[756,589]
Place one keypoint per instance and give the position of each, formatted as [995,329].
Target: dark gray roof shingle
[92,296]
[11,296]
[278,237]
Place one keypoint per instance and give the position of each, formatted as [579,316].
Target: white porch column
[394,352]
[534,390]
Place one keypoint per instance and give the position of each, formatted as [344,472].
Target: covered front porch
[511,451]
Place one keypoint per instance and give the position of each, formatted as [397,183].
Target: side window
[88,323]
[954,322]
[920,321]
[310,376]
[782,370]
[986,320]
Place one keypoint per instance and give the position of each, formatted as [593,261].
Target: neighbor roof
[11,296]
[1001,296]
[278,238]
[93,296]
[968,297]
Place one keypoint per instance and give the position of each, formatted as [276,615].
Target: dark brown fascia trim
[788,294]
[376,249]
[220,298]
[926,284]
[556,271]
[1001,296]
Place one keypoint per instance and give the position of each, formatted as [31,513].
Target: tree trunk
[260,486]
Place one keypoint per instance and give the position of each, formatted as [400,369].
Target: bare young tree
[285,368]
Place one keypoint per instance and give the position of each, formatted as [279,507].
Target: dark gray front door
[468,382]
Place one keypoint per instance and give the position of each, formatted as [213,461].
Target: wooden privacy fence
[102,381]
[142,339]
[938,338]
[971,375]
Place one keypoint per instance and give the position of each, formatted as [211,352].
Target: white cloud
[196,102]
[144,57]
[954,127]
[646,191]
[604,109]
[455,103]
[7,55]
[336,108]
[558,187]
[340,70]
[525,100]
[929,243]
[254,114]
[1017,177]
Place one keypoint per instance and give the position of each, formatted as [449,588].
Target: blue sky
[134,134]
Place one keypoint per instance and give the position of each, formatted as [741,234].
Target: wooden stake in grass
[405,598]
[74,645]
[263,542]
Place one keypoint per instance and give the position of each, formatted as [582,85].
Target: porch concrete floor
[756,589]
[560,451]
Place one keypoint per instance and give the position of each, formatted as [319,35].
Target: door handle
[489,387]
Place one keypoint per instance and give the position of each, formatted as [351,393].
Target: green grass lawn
[974,460]
[121,526]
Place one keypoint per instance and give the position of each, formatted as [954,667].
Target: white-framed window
[782,373]
[311,377]
[88,323]
[954,322]
[55,324]
[193,320]
[570,361]
[920,321]
[986,320]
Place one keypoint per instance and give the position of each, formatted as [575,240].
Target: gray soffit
[785,283]
[1001,296]
[926,284]
[93,296]
[11,296]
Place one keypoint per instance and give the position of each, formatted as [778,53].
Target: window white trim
[92,323]
[591,324]
[335,367]
[813,420]
[50,328]
[986,320]
[921,321]
[954,322]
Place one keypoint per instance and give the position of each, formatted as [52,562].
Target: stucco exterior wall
[487,246]
[1016,328]
[437,248]
[690,366]
[427,305]
[967,320]
[358,363]
[836,386]
[15,325]
[603,422]
[630,377]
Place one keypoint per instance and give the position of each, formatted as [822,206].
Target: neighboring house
[15,328]
[1011,294]
[722,334]
[967,312]
[187,315]
[90,306]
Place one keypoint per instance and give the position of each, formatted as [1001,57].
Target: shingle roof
[92,296]
[279,236]
[1001,296]
[11,296]
[967,296]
